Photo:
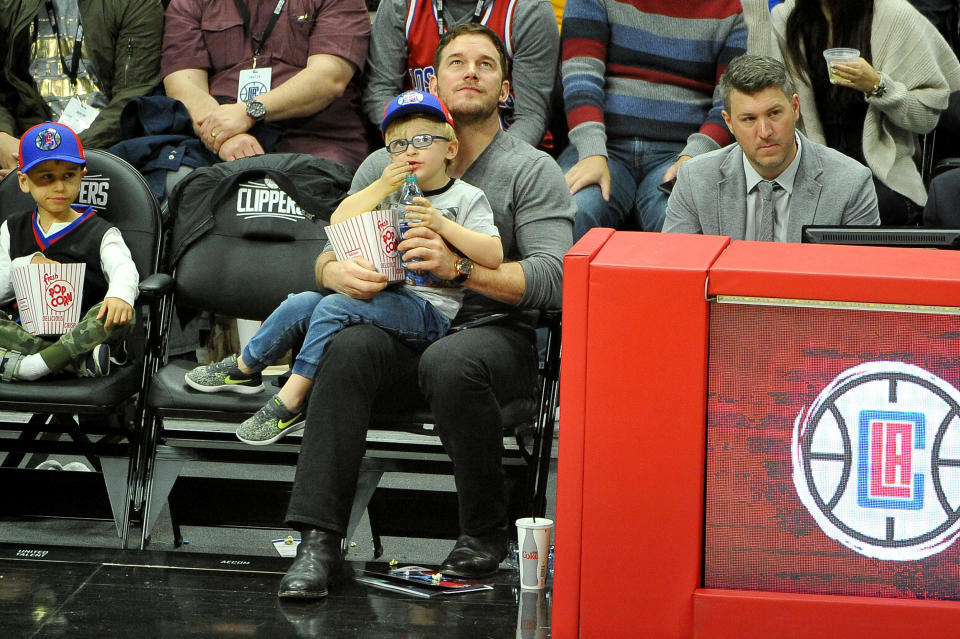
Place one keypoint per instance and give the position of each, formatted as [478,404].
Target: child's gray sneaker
[225,375]
[270,423]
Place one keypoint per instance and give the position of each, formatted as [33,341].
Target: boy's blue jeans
[314,318]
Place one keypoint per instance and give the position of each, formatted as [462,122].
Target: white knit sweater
[919,70]
[756,13]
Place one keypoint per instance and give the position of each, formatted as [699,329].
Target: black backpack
[275,197]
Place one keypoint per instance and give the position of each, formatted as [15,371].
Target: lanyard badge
[256,81]
[438,14]
[76,115]
[259,40]
[253,82]
[74,67]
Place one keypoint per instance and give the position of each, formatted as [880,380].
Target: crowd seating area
[140,425]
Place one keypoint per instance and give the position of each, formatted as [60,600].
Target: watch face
[464,269]
[256,110]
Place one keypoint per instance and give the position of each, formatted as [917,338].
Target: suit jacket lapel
[732,196]
[806,190]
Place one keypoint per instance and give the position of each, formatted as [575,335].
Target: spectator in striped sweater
[640,87]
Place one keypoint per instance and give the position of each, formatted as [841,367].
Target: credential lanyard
[438,7]
[74,67]
[259,40]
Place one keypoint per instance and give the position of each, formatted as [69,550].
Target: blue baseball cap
[411,102]
[49,141]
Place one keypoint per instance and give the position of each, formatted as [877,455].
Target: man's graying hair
[751,74]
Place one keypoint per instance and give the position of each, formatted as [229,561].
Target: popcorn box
[372,235]
[49,296]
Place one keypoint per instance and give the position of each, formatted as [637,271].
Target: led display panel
[833,450]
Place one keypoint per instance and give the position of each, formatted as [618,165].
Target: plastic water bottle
[410,190]
[513,556]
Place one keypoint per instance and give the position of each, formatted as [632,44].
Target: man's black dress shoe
[319,556]
[476,557]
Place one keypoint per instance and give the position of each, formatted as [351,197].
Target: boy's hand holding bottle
[423,214]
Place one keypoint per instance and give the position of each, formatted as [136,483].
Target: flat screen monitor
[900,236]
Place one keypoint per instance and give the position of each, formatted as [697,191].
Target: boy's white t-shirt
[467,206]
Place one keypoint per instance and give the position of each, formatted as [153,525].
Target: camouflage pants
[70,347]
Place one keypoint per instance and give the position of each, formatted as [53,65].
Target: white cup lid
[535,523]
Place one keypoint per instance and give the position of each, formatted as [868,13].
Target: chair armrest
[479,321]
[550,318]
[155,286]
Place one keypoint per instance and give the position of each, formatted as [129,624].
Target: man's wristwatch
[464,270]
[256,110]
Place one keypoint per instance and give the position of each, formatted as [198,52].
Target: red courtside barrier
[566,590]
[634,383]
[631,479]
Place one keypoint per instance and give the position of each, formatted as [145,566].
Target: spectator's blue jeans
[636,170]
[313,319]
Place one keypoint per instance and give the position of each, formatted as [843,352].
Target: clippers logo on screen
[876,461]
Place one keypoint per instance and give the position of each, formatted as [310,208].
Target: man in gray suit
[773,181]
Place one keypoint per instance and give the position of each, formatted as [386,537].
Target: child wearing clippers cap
[51,166]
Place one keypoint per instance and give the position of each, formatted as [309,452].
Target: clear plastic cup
[839,55]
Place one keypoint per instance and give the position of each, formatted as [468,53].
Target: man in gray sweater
[405,36]
[465,377]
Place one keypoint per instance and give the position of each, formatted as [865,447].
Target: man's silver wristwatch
[256,110]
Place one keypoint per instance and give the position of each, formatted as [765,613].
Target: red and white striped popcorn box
[372,235]
[49,296]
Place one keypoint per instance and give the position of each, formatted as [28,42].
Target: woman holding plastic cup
[870,106]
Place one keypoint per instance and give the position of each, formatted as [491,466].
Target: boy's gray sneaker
[270,423]
[96,363]
[225,375]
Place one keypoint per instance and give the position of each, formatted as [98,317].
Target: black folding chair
[100,416]
[242,267]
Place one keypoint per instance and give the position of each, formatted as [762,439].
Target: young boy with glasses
[420,138]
